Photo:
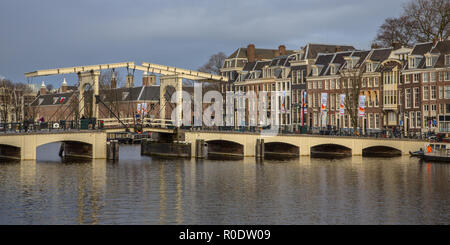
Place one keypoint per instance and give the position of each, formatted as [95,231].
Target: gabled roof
[442,48]
[311,50]
[260,53]
[422,48]
[380,54]
[52,99]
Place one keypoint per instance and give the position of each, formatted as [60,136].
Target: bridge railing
[131,122]
[61,125]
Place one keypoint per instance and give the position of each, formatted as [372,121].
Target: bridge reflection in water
[145,190]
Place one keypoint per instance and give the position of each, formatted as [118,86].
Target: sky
[45,34]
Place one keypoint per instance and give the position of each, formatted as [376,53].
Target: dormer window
[369,67]
[429,61]
[315,71]
[350,64]
[125,95]
[332,70]
[412,62]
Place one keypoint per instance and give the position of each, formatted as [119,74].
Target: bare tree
[429,19]
[421,21]
[351,84]
[394,30]
[214,64]
[106,77]
[12,99]
[111,95]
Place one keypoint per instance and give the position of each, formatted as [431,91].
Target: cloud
[50,33]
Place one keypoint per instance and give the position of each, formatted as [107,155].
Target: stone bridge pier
[87,144]
[252,144]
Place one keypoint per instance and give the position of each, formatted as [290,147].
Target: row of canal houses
[406,89]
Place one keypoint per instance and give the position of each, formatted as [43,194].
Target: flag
[139,108]
[341,105]
[324,101]
[362,104]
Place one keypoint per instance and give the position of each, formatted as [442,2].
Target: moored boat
[437,152]
[417,153]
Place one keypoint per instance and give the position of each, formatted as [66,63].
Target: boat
[437,152]
[418,154]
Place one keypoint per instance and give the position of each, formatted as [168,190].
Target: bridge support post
[259,148]
[112,150]
[201,149]
[88,78]
[177,83]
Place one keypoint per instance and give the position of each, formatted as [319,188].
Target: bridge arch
[10,152]
[71,148]
[277,150]
[381,151]
[220,148]
[330,150]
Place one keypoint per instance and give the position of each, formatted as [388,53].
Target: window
[419,120]
[447,92]
[412,122]
[441,92]
[412,62]
[331,101]
[426,108]
[433,92]
[332,71]
[407,98]
[327,84]
[407,78]
[426,93]
[416,77]
[416,97]
[369,67]
[447,76]
[429,61]
[376,82]
[315,71]
[426,77]
[433,77]
[377,121]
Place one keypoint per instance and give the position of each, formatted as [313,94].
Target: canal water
[144,190]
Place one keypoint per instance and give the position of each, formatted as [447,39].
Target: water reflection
[144,190]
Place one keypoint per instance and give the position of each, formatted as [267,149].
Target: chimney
[64,86]
[338,49]
[148,80]
[130,81]
[251,52]
[277,53]
[396,45]
[282,49]
[43,89]
[113,81]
